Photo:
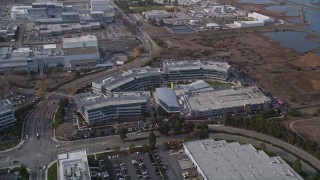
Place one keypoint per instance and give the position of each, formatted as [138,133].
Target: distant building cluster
[52,18]
[75,52]
[7,118]
[221,160]
[121,96]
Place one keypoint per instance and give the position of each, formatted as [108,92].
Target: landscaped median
[60,113]
[52,172]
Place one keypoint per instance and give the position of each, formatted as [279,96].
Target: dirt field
[309,129]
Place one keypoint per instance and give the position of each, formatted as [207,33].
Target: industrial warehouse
[75,52]
[120,96]
[222,160]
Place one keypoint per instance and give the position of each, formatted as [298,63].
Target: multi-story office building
[132,80]
[194,70]
[120,105]
[7,118]
[210,103]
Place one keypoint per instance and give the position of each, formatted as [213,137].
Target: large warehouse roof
[222,160]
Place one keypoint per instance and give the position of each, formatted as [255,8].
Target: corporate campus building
[74,52]
[118,105]
[221,160]
[116,97]
[7,118]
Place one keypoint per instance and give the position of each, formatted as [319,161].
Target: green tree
[122,133]
[177,126]
[189,126]
[315,176]
[297,166]
[152,140]
[164,128]
[23,172]
[203,126]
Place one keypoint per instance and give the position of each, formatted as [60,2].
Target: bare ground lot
[309,129]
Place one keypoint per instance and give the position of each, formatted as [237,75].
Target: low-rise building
[167,100]
[73,165]
[261,17]
[211,103]
[222,160]
[156,14]
[81,51]
[119,105]
[135,79]
[194,70]
[7,118]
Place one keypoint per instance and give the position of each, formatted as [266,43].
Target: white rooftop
[226,161]
[204,100]
[73,165]
[170,65]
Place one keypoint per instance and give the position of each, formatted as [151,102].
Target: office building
[211,103]
[7,118]
[73,165]
[101,5]
[81,51]
[167,100]
[28,59]
[222,160]
[194,70]
[156,14]
[119,105]
[145,78]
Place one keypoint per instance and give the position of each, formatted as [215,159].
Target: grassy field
[52,172]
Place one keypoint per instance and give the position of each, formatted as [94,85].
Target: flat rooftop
[205,100]
[80,39]
[79,50]
[167,96]
[189,65]
[90,101]
[73,165]
[222,160]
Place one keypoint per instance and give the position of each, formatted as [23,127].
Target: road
[34,152]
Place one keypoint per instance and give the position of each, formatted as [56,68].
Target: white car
[27,136]
[57,145]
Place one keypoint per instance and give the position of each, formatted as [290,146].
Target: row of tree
[59,116]
[273,127]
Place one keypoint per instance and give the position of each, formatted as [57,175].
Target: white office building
[156,14]
[145,78]
[224,161]
[210,103]
[101,5]
[167,100]
[81,51]
[118,105]
[194,70]
[7,118]
[73,165]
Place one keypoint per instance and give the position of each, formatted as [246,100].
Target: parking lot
[19,97]
[138,164]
